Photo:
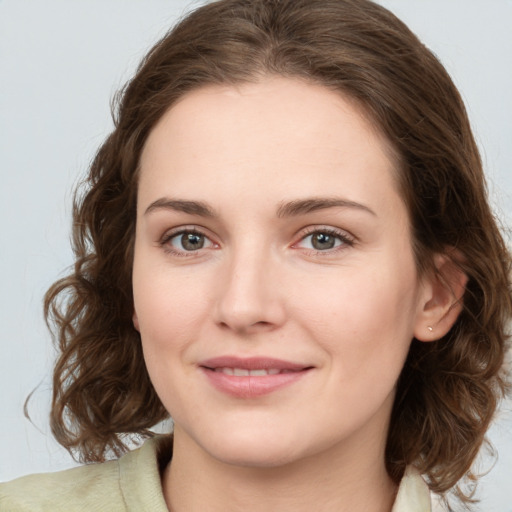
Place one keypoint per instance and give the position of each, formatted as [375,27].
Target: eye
[186,241]
[325,240]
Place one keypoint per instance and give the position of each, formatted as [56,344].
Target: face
[274,282]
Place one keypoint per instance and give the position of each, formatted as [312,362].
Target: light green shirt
[133,484]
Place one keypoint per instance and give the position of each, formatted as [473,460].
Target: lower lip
[252,386]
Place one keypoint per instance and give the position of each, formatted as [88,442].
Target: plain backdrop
[60,63]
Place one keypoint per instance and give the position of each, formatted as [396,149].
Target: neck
[342,479]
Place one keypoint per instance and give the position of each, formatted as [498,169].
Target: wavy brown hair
[448,391]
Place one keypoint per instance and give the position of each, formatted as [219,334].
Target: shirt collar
[413,493]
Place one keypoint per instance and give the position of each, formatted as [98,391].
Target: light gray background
[60,63]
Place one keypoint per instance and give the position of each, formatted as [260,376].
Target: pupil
[323,241]
[192,242]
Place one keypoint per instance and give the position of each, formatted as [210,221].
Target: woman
[285,245]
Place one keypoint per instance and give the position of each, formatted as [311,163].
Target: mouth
[252,377]
[242,372]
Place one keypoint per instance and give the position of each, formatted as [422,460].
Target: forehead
[289,101]
[279,133]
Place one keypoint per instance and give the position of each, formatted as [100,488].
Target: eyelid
[347,239]
[180,230]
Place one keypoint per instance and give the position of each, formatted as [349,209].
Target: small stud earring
[430,328]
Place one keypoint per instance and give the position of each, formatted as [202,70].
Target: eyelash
[167,247]
[345,239]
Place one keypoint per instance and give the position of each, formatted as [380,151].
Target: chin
[260,457]
[253,448]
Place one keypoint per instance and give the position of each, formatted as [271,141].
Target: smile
[242,372]
[251,377]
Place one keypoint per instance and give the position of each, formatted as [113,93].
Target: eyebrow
[304,206]
[191,207]
[288,209]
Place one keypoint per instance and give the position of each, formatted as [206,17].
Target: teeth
[242,372]
[258,373]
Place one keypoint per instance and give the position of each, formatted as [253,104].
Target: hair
[449,389]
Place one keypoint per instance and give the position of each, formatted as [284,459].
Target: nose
[250,296]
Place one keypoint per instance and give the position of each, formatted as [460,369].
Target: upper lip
[252,363]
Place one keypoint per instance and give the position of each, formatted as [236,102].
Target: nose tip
[249,299]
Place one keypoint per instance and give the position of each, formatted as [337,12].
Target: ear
[135,321]
[442,297]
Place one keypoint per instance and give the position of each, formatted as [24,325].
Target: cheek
[167,302]
[365,322]
[167,313]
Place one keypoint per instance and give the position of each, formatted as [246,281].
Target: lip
[252,386]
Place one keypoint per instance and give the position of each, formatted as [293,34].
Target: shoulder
[121,485]
[74,489]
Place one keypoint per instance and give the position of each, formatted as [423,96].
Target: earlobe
[442,300]
[135,321]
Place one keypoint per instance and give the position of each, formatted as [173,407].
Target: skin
[258,287]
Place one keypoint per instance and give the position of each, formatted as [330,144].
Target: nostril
[248,327]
